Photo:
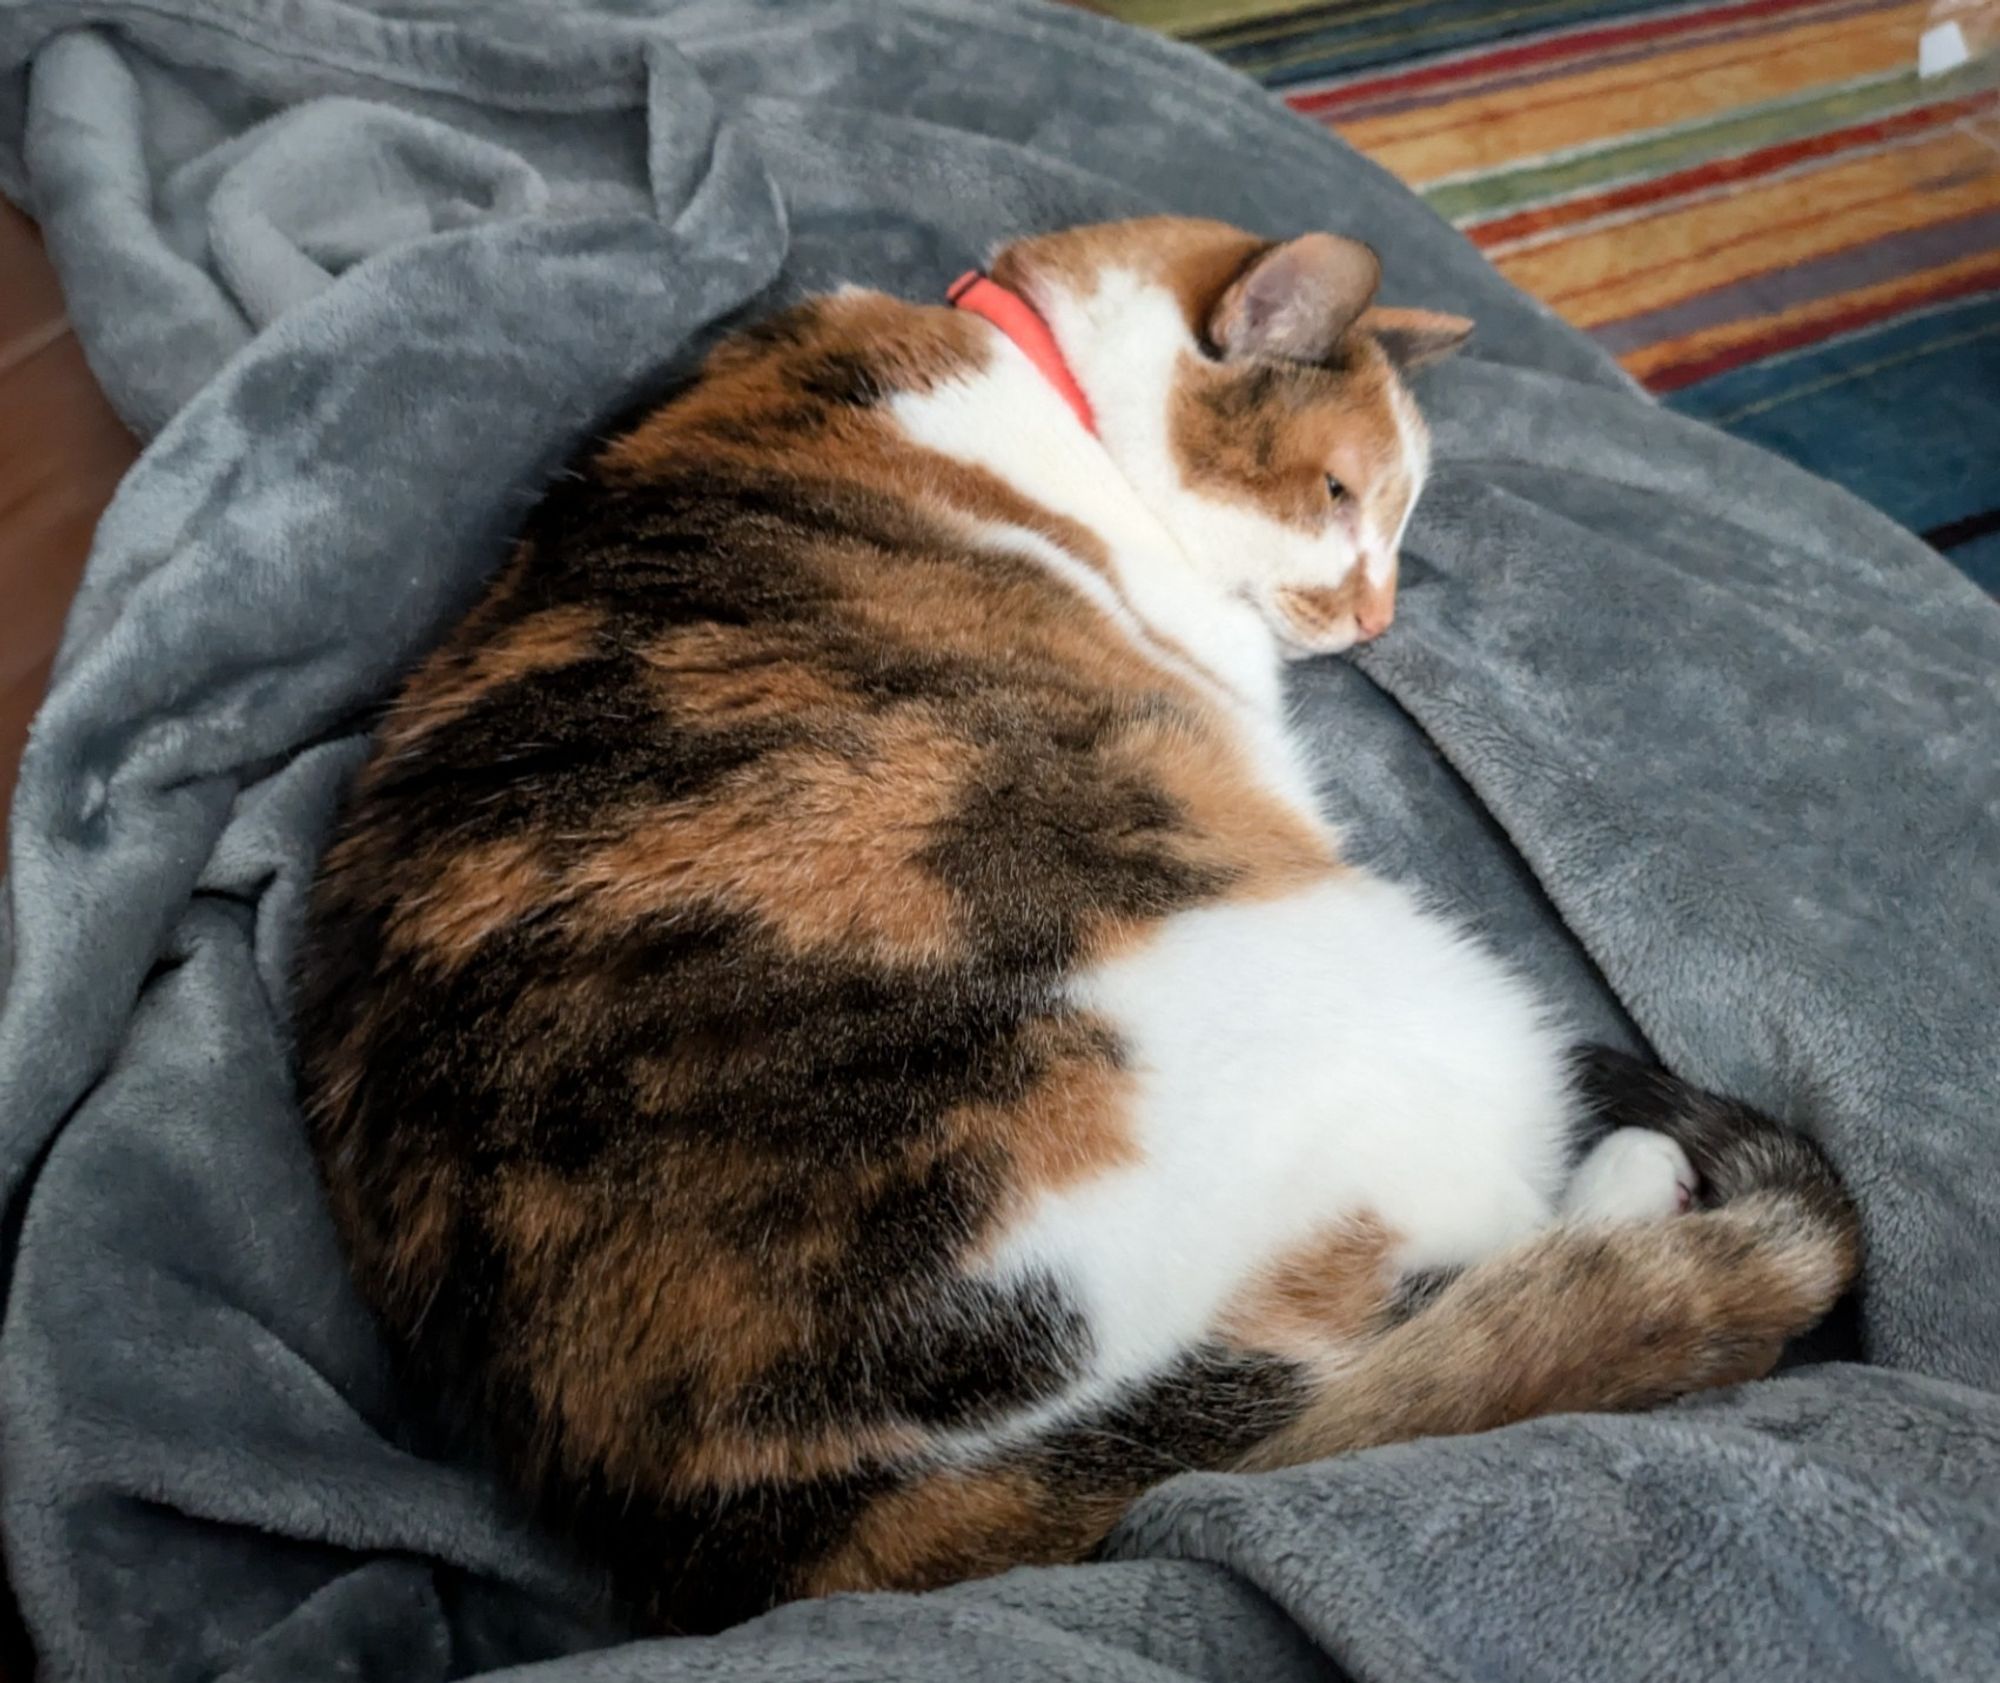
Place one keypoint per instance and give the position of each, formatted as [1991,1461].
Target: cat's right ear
[1296,300]
[1416,338]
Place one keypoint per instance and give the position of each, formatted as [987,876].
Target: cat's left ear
[1296,299]
[1414,338]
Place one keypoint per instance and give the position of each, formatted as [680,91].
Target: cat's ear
[1297,300]
[1412,338]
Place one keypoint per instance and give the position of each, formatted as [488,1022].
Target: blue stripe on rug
[1979,560]
[1307,51]
[1905,414]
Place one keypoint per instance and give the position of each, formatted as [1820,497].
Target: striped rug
[1758,207]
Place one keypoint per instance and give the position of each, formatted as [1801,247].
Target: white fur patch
[1415,440]
[1290,1072]
[1633,1174]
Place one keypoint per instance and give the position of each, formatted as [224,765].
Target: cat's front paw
[1633,1174]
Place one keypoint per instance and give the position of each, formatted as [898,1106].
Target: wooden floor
[61,454]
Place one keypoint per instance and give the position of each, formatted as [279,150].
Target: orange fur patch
[1073,1123]
[821,844]
[951,1526]
[1234,822]
[721,677]
[1320,1296]
[729,1459]
[756,387]
[467,897]
[626,1303]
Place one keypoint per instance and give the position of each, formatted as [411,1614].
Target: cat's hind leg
[1588,1316]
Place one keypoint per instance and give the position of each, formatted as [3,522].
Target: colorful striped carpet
[1758,207]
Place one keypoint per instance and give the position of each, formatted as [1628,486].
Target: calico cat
[840,1046]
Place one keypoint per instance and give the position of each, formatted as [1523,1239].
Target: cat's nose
[1372,618]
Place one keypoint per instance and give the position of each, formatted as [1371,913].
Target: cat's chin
[1297,642]
[1307,621]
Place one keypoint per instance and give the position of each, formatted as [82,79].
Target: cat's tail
[1611,1317]
[1738,1150]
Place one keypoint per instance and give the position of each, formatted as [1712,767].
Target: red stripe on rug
[1682,260]
[1543,49]
[1967,285]
[1747,166]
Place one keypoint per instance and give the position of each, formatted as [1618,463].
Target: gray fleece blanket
[1710,748]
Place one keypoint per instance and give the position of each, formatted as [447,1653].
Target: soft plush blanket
[1702,742]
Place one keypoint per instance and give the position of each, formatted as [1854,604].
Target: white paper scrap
[1941,48]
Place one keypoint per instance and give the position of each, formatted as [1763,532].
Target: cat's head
[1252,393]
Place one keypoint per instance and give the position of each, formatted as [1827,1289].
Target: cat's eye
[1336,490]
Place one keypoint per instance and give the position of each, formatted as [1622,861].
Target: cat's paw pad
[1634,1174]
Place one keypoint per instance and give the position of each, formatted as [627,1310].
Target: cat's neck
[1008,420]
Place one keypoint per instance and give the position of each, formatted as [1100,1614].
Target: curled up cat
[841,1048]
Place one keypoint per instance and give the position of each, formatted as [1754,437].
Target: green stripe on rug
[1281,45]
[1188,17]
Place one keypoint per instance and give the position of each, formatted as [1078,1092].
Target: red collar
[1016,318]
